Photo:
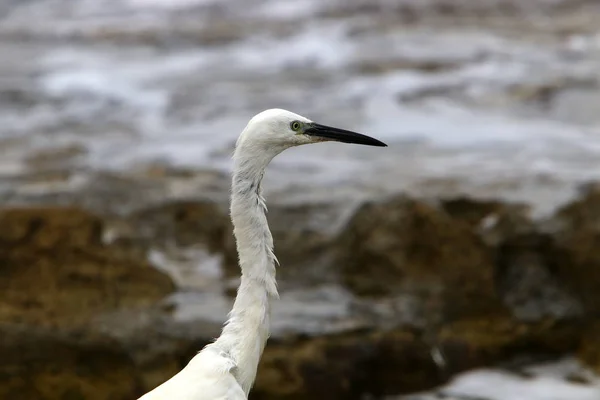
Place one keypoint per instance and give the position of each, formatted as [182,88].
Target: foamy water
[129,103]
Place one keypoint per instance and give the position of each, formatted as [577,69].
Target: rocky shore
[403,295]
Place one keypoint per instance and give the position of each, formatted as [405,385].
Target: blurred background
[462,262]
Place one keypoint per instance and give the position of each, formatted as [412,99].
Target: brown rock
[159,344]
[576,232]
[186,223]
[347,366]
[406,245]
[479,342]
[303,243]
[48,228]
[56,269]
[459,260]
[38,363]
[589,351]
[493,220]
[527,281]
[57,276]
[524,258]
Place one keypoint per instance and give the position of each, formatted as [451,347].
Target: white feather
[207,376]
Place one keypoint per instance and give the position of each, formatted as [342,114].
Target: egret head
[275,130]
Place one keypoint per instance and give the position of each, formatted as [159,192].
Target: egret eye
[295,126]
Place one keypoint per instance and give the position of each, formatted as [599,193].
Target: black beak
[341,135]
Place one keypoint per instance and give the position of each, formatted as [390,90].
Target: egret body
[226,368]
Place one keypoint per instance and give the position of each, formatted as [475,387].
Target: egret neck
[247,329]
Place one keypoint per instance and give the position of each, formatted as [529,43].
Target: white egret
[226,368]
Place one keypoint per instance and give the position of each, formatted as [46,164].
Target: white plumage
[226,369]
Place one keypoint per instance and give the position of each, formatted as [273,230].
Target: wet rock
[58,276]
[589,351]
[184,223]
[478,342]
[403,244]
[348,366]
[157,342]
[576,231]
[303,236]
[527,281]
[493,220]
[39,363]
[524,259]
[55,268]
[488,282]
[405,240]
